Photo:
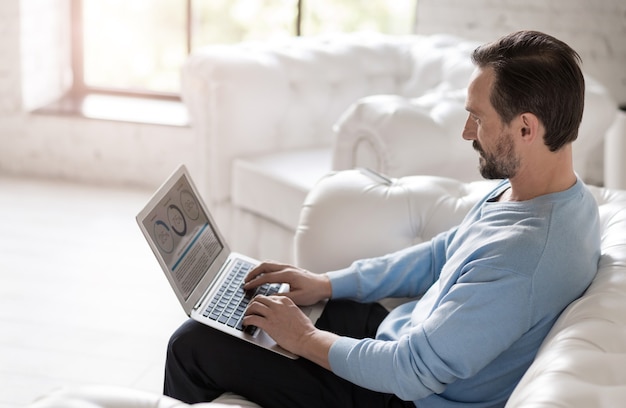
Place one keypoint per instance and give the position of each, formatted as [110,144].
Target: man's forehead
[479,89]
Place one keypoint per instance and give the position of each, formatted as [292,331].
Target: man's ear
[529,126]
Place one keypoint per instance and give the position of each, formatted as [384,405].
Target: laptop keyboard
[230,302]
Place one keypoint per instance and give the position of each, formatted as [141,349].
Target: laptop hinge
[208,290]
[201,301]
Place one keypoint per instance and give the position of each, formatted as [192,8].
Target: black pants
[202,363]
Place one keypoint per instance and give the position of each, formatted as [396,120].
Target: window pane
[333,16]
[134,44]
[230,21]
[141,45]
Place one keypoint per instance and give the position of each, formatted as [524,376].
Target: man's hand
[279,317]
[306,288]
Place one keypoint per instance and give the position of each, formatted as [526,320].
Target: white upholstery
[351,214]
[271,118]
[104,396]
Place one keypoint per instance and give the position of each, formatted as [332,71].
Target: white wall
[596,29]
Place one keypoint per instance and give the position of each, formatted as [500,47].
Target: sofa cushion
[275,185]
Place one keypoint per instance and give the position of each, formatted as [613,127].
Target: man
[490,288]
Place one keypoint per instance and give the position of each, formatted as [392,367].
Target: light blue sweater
[492,289]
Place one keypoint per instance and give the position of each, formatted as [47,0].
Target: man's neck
[537,179]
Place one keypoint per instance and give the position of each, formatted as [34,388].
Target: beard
[501,164]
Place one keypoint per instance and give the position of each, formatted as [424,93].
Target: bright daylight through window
[140,45]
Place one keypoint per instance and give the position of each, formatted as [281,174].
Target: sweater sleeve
[456,341]
[405,273]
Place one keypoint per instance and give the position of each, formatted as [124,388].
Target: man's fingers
[262,269]
[258,281]
[258,310]
[277,276]
[259,302]
[260,305]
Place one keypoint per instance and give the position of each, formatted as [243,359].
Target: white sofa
[350,215]
[272,118]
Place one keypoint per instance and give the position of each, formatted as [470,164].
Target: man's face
[490,137]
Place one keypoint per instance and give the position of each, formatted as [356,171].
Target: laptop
[205,275]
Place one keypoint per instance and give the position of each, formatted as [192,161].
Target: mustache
[477,146]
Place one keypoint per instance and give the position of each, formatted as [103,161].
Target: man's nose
[469,131]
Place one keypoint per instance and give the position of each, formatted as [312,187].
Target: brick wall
[9,51]
[596,29]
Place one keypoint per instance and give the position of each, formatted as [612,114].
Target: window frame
[80,89]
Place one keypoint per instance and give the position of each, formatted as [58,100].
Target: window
[127,54]
[137,47]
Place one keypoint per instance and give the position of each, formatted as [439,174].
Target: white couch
[350,215]
[272,118]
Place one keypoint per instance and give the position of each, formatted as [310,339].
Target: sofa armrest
[402,136]
[357,214]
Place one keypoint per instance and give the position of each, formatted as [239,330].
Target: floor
[82,299]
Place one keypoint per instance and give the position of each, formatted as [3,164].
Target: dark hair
[536,73]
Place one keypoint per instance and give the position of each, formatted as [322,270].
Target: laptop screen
[184,238]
